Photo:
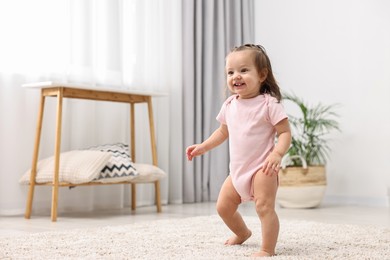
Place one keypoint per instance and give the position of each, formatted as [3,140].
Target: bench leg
[57,151]
[33,173]
[133,197]
[158,195]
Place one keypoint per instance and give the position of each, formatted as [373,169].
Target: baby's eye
[244,70]
[230,73]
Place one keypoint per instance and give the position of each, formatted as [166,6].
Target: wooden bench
[61,91]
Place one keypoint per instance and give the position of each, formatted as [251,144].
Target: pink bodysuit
[251,136]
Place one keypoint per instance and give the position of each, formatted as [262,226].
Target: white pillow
[148,173]
[75,167]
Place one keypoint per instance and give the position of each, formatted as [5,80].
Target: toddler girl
[250,118]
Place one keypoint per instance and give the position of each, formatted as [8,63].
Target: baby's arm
[272,163]
[218,137]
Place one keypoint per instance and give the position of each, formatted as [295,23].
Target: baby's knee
[222,209]
[264,207]
[225,208]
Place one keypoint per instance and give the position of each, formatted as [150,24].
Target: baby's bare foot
[262,253]
[236,240]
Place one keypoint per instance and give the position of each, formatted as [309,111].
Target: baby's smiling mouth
[238,84]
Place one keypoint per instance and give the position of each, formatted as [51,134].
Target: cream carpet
[199,238]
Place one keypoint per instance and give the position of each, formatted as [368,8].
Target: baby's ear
[263,75]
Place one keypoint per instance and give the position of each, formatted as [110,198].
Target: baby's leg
[227,204]
[265,188]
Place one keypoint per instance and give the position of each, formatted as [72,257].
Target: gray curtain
[210,30]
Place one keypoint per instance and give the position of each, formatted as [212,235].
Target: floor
[358,215]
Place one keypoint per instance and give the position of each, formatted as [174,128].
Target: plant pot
[301,187]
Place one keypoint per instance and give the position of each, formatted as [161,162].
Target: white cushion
[75,167]
[148,173]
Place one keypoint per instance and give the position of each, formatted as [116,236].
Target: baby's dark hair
[262,61]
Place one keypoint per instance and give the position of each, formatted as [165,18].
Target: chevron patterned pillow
[119,167]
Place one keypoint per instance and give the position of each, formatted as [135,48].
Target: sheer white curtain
[120,44]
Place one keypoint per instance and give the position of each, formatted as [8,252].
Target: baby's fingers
[266,168]
[271,168]
[189,152]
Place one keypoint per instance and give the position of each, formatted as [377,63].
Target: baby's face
[241,74]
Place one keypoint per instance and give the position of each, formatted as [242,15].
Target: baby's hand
[194,150]
[272,163]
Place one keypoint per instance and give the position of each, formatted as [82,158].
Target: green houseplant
[303,175]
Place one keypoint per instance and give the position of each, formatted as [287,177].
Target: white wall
[338,52]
